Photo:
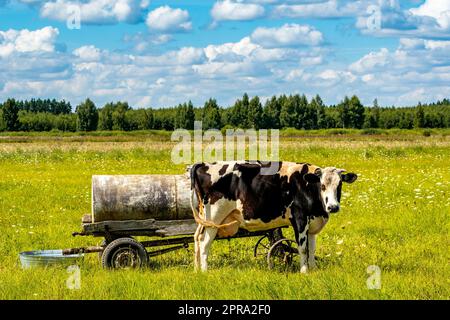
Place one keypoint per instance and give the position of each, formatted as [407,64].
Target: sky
[162,53]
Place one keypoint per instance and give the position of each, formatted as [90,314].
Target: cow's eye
[323,187]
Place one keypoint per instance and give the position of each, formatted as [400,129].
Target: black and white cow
[226,196]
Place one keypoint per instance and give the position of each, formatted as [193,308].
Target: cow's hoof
[304,269]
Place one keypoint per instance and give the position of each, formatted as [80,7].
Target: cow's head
[330,184]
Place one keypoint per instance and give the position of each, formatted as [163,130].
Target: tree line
[293,111]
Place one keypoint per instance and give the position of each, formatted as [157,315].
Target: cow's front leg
[303,244]
[311,251]
[205,245]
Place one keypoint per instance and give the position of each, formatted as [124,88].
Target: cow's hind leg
[214,214]
[197,236]
[204,246]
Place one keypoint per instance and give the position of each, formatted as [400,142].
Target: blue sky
[161,53]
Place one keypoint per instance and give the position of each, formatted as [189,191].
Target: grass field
[395,216]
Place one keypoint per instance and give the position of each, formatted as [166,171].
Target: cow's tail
[198,206]
[196,192]
[193,174]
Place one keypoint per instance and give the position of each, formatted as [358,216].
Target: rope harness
[199,216]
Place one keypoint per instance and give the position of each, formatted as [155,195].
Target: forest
[278,112]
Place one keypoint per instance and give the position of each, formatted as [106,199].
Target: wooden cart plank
[151,227]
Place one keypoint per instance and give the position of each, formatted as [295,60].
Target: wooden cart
[117,198]
[119,249]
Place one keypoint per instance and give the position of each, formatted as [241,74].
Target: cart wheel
[262,246]
[105,242]
[281,255]
[124,253]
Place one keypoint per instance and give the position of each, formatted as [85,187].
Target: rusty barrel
[138,197]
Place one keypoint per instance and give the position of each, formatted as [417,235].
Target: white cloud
[274,54]
[336,75]
[411,43]
[430,19]
[329,75]
[183,57]
[242,48]
[437,45]
[295,74]
[287,35]
[311,61]
[96,11]
[419,55]
[28,41]
[322,9]
[233,10]
[189,55]
[162,38]
[246,50]
[145,41]
[371,61]
[418,69]
[417,44]
[88,53]
[368,77]
[217,70]
[166,19]
[437,9]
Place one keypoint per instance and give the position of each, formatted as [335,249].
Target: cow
[229,195]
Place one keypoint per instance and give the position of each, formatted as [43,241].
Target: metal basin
[42,258]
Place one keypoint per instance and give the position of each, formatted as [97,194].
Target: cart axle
[83,250]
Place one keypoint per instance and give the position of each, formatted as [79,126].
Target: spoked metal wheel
[124,253]
[264,243]
[262,247]
[282,255]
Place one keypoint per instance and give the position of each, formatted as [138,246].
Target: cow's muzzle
[333,208]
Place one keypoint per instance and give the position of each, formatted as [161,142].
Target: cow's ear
[349,177]
[311,178]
